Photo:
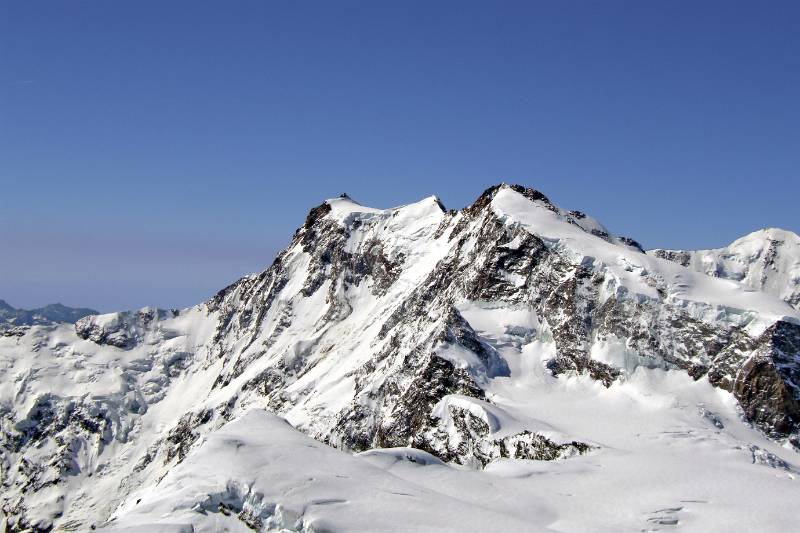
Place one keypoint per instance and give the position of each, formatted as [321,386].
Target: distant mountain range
[49,314]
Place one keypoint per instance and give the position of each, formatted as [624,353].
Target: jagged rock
[365,331]
[766,385]
[456,434]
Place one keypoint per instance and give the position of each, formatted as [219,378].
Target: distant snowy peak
[49,314]
[766,260]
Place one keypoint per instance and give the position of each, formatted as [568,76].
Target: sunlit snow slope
[766,260]
[510,366]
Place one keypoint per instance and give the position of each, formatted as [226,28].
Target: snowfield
[511,366]
[664,463]
[766,260]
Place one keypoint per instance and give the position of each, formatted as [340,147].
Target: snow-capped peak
[511,336]
[345,209]
[766,260]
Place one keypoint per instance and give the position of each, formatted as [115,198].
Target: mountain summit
[514,338]
[766,260]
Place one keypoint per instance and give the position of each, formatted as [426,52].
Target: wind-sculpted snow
[450,348]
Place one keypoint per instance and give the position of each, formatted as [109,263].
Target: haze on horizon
[152,153]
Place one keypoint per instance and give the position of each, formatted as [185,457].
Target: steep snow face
[767,260]
[507,332]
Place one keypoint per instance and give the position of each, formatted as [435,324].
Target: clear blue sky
[153,152]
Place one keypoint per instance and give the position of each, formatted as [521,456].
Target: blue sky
[153,152]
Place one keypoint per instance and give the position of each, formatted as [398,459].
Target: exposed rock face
[485,257]
[368,331]
[464,433]
[767,384]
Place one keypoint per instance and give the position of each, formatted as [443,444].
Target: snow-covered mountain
[509,366]
[11,317]
[766,260]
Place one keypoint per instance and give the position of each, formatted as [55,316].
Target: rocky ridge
[369,331]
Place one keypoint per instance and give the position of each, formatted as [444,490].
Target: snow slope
[663,461]
[767,260]
[508,366]
[631,267]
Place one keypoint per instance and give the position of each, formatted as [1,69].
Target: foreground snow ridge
[511,366]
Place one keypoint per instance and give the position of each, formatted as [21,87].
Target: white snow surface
[669,453]
[630,267]
[661,464]
[767,260]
